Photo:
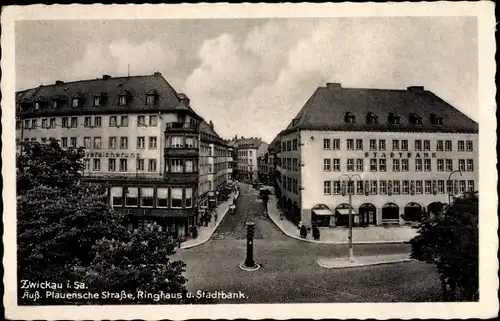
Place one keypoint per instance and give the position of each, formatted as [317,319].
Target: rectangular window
[140,142]
[147,197]
[176,198]
[327,166]
[73,142]
[152,165]
[428,187]
[295,144]
[152,142]
[470,186]
[326,143]
[153,120]
[112,143]
[359,144]
[404,145]
[439,146]
[395,165]
[395,144]
[469,145]
[86,164]
[404,164]
[141,121]
[64,142]
[382,165]
[177,142]
[440,165]
[336,165]
[373,187]
[396,187]
[350,188]
[350,165]
[34,123]
[406,187]
[27,124]
[124,121]
[87,122]
[381,144]
[461,146]
[447,146]
[449,165]
[427,165]
[131,196]
[418,187]
[123,142]
[350,144]
[97,164]
[373,144]
[470,165]
[427,145]
[111,164]
[123,165]
[461,186]
[112,121]
[461,165]
[188,197]
[140,164]
[440,187]
[360,165]
[122,100]
[336,187]
[97,101]
[45,123]
[176,166]
[359,187]
[189,166]
[418,164]
[162,197]
[150,99]
[327,187]
[373,164]
[74,122]
[418,145]
[449,186]
[383,187]
[87,143]
[74,102]
[97,122]
[190,142]
[336,144]
[116,196]
[97,142]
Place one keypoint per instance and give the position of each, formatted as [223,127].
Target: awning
[345,211]
[322,212]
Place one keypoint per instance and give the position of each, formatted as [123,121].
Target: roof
[249,143]
[326,110]
[274,143]
[206,128]
[137,87]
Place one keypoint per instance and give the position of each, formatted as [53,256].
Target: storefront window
[116,196]
[176,198]
[131,196]
[189,197]
[162,197]
[147,197]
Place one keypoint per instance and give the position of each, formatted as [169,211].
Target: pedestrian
[303,232]
[300,225]
[215,217]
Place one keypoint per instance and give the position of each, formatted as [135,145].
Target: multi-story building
[249,149]
[403,149]
[142,139]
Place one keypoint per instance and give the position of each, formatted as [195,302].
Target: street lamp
[450,185]
[350,192]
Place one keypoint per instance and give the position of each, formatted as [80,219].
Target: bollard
[249,262]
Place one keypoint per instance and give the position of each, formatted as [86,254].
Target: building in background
[249,149]
[157,156]
[409,149]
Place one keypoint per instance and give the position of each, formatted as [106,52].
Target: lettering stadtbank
[219,295]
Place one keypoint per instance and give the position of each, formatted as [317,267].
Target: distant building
[404,146]
[160,160]
[248,150]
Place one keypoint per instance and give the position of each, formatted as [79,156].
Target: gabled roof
[249,143]
[327,107]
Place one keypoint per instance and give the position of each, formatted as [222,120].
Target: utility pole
[350,192]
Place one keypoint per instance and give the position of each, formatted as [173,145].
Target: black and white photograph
[249,161]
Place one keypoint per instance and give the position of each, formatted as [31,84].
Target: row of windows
[383,187]
[122,164]
[149,197]
[291,184]
[397,145]
[88,122]
[289,145]
[393,119]
[291,164]
[96,142]
[398,164]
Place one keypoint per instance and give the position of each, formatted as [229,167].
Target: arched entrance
[413,212]
[390,212]
[342,215]
[367,214]
[322,216]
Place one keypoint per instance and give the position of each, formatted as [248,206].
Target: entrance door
[368,214]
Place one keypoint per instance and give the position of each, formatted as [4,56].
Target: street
[289,272]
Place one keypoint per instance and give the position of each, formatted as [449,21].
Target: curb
[333,242]
[210,236]
[364,264]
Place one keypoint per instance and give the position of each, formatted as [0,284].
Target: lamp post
[450,185]
[349,182]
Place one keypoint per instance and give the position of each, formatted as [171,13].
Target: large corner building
[403,149]
[160,160]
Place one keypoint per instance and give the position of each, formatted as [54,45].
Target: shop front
[322,216]
[342,215]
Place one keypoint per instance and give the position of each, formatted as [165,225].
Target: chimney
[157,74]
[333,85]
[415,89]
[59,82]
[183,99]
[106,77]
[211,124]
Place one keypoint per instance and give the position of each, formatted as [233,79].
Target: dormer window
[436,120]
[349,118]
[393,119]
[415,120]
[123,98]
[97,101]
[371,119]
[75,102]
[54,103]
[37,105]
[151,97]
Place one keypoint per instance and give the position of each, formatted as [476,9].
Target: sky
[252,76]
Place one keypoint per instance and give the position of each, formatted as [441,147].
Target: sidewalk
[205,232]
[358,261]
[339,235]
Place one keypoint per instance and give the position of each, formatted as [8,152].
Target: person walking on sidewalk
[215,217]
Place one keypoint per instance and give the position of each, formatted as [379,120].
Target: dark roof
[249,143]
[327,108]
[205,128]
[137,87]
[275,142]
